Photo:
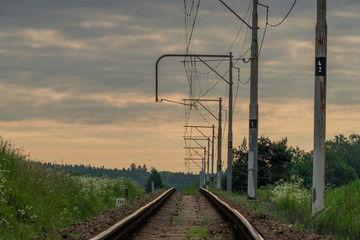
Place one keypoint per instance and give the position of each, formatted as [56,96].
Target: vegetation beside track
[285,182]
[35,199]
[291,202]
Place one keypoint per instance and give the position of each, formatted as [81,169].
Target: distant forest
[276,162]
[139,174]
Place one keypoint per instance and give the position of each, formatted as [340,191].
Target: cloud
[344,14]
[67,107]
[76,73]
[46,37]
[107,21]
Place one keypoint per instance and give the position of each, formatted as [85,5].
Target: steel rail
[244,229]
[125,228]
[129,225]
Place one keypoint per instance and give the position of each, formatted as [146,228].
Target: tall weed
[292,200]
[341,216]
[34,199]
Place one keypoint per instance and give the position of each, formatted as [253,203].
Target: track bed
[184,216]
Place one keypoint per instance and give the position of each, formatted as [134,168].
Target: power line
[263,37]
[188,40]
[268,24]
[236,37]
[192,73]
[189,65]
[237,87]
[245,38]
[275,25]
[190,76]
[203,117]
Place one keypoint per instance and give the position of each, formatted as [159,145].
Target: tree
[132,167]
[348,150]
[301,165]
[273,158]
[337,171]
[144,168]
[342,161]
[156,178]
[239,174]
[276,161]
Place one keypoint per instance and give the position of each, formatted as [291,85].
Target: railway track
[176,216]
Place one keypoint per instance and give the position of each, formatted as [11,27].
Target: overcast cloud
[77,77]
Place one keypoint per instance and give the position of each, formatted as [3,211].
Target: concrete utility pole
[212,157]
[204,166]
[208,166]
[319,108]
[230,135]
[218,175]
[253,111]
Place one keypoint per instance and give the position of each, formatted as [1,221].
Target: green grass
[292,203]
[224,193]
[342,212]
[180,220]
[341,217]
[189,191]
[200,232]
[35,200]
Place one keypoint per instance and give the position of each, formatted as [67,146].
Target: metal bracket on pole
[199,101]
[199,56]
[199,146]
[178,55]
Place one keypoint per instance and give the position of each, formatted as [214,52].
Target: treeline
[277,161]
[139,174]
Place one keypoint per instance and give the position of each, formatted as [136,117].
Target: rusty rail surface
[129,225]
[243,228]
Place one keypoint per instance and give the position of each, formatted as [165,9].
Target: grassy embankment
[292,203]
[35,200]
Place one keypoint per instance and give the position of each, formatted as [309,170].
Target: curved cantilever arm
[177,55]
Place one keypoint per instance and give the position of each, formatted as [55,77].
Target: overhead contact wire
[276,25]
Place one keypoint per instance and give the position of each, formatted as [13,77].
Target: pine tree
[156,178]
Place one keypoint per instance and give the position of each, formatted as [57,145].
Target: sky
[77,77]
